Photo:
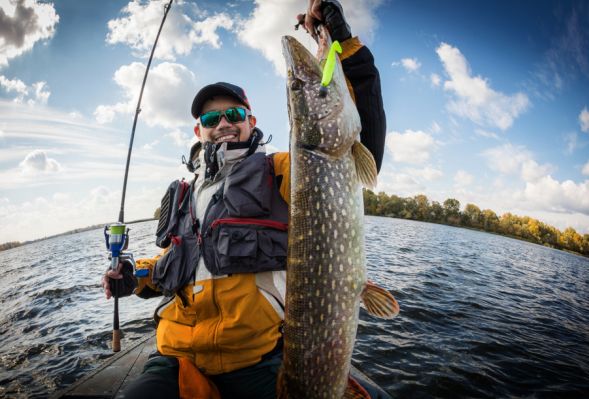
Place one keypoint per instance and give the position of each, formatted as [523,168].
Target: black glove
[333,17]
[125,286]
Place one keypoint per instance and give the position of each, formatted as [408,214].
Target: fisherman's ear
[197,130]
[252,121]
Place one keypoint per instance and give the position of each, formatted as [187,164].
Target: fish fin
[365,165]
[354,390]
[379,302]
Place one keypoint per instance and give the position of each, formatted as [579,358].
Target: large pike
[326,273]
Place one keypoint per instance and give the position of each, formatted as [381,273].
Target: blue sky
[486,102]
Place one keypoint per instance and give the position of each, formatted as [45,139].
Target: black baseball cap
[218,89]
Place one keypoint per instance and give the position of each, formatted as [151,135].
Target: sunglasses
[233,115]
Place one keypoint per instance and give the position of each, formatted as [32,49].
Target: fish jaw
[328,124]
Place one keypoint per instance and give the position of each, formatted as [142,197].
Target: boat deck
[111,378]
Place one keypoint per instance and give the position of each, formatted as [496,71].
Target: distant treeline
[8,245]
[521,227]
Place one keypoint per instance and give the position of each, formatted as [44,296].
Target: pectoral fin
[379,302]
[365,165]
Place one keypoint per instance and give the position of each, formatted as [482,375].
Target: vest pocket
[248,245]
[236,246]
[272,250]
[173,270]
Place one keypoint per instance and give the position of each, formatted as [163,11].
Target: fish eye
[296,84]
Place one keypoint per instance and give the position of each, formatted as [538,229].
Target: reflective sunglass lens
[233,115]
[210,119]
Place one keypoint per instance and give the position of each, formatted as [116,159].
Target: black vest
[244,229]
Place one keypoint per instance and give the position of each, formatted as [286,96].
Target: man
[223,272]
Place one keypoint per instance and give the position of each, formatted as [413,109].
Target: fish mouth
[300,63]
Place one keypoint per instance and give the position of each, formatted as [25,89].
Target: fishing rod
[117,235]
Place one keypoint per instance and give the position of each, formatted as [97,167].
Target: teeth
[228,137]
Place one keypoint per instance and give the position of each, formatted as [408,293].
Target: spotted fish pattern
[326,272]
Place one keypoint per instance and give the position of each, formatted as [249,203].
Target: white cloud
[510,159]
[462,178]
[89,150]
[410,64]
[571,142]
[542,192]
[435,79]
[41,93]
[485,133]
[37,93]
[266,25]
[52,214]
[401,184]
[412,147]
[506,159]
[584,119]
[205,32]
[38,161]
[585,169]
[171,87]
[551,195]
[13,85]
[531,171]
[140,23]
[427,173]
[473,97]
[435,128]
[150,146]
[22,24]
[181,139]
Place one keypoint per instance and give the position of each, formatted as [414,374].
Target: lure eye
[296,84]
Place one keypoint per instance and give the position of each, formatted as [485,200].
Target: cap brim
[210,91]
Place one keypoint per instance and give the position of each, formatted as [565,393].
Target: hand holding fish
[328,12]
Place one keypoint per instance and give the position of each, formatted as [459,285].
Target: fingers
[315,9]
[312,17]
[106,287]
[111,274]
[115,274]
[310,23]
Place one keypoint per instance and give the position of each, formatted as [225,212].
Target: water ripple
[481,315]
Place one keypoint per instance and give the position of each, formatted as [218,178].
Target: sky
[486,102]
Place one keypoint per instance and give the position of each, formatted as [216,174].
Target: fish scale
[326,272]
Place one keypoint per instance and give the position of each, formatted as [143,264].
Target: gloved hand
[123,277]
[331,13]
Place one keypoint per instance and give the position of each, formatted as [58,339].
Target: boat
[110,379]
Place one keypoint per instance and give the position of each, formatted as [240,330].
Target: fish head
[327,123]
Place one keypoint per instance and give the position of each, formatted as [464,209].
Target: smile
[225,137]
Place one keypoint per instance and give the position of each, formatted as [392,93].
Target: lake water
[481,315]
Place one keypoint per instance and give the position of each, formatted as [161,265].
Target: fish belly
[325,275]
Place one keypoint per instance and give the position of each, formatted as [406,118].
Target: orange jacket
[222,323]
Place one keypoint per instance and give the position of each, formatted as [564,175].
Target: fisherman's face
[225,130]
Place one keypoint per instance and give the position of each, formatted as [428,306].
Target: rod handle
[116,340]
